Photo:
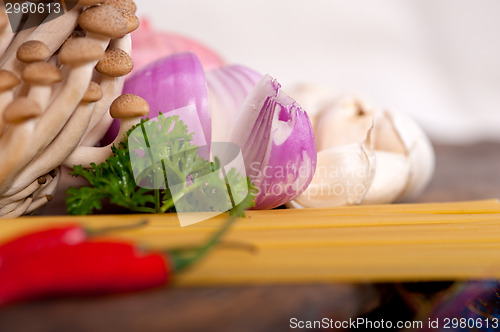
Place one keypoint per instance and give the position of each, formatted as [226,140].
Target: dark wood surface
[463,173]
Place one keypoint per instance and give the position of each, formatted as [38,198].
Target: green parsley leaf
[198,184]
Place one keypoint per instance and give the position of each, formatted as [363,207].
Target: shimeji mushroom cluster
[60,86]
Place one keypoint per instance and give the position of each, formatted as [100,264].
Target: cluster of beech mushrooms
[60,87]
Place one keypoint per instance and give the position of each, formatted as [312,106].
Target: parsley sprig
[198,184]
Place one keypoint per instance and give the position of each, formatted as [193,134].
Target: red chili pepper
[28,245]
[89,268]
[25,246]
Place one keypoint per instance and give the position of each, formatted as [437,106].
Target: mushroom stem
[61,109]
[8,81]
[25,192]
[53,32]
[101,120]
[102,40]
[6,38]
[37,204]
[36,190]
[43,195]
[86,155]
[41,76]
[16,209]
[129,109]
[112,87]
[6,34]
[41,93]
[46,116]
[6,98]
[9,55]
[67,140]
[48,187]
[13,146]
[47,126]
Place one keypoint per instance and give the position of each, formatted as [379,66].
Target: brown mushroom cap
[128,106]
[32,51]
[132,20]
[21,109]
[78,51]
[115,63]
[103,20]
[8,80]
[41,73]
[94,93]
[127,5]
[87,3]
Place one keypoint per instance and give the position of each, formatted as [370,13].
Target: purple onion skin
[228,88]
[170,83]
[278,145]
[298,150]
[471,300]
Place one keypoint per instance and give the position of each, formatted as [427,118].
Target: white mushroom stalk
[129,109]
[53,32]
[8,81]
[58,150]
[44,194]
[6,34]
[15,143]
[112,88]
[41,76]
[48,101]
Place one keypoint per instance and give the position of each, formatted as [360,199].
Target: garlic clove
[420,153]
[346,121]
[386,136]
[343,176]
[391,173]
[403,155]
[397,132]
[312,97]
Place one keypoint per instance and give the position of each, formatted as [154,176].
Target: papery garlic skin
[346,121]
[313,98]
[346,159]
[420,152]
[277,143]
[343,176]
[391,175]
[397,133]
[402,157]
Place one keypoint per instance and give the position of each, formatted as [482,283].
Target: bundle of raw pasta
[399,242]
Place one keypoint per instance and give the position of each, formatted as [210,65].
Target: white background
[438,60]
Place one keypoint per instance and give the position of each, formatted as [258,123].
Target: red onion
[150,45]
[277,142]
[169,84]
[272,130]
[228,88]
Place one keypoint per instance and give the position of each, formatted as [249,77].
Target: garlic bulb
[380,156]
[312,98]
[390,178]
[343,176]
